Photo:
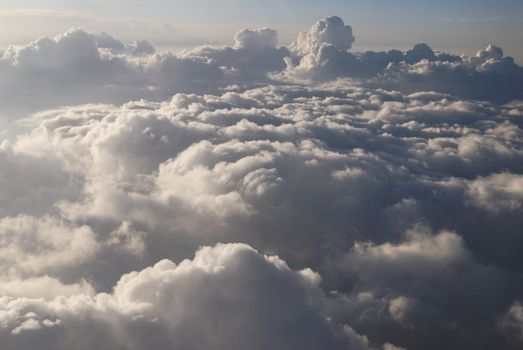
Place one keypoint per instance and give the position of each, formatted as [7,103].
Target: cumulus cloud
[500,192]
[407,202]
[227,297]
[487,76]
[79,67]
[425,285]
[330,31]
[321,54]
[256,39]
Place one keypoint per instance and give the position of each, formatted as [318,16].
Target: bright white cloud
[227,297]
[330,31]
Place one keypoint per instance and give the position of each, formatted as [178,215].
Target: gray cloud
[511,324]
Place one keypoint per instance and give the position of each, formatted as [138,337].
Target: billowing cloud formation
[331,32]
[235,297]
[79,67]
[256,39]
[488,76]
[408,203]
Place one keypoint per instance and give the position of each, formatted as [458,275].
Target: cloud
[44,287]
[80,67]
[425,284]
[500,192]
[275,152]
[406,202]
[227,297]
[32,185]
[330,31]
[321,54]
[511,324]
[43,245]
[256,39]
[306,173]
[487,76]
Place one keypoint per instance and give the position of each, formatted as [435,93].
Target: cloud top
[329,31]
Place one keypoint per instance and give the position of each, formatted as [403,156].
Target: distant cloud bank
[79,67]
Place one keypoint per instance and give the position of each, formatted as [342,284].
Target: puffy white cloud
[321,54]
[399,308]
[330,31]
[227,297]
[256,39]
[79,67]
[490,53]
[499,192]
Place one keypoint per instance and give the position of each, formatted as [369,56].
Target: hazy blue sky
[452,25]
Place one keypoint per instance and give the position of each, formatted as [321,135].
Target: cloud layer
[333,199]
[80,67]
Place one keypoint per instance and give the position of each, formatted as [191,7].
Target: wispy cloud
[471,19]
[23,12]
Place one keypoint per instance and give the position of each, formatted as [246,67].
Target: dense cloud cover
[260,197]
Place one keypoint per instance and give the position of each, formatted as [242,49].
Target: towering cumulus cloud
[260,197]
[330,31]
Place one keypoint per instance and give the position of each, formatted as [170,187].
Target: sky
[278,188]
[455,26]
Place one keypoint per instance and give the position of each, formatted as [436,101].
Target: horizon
[456,27]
